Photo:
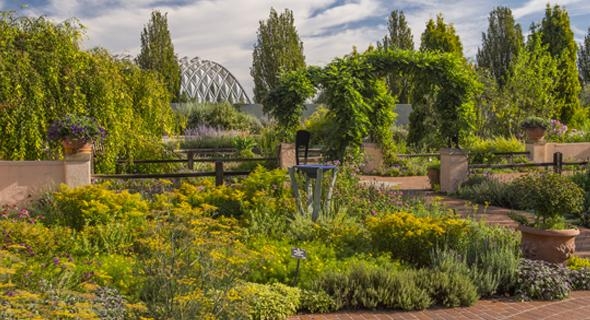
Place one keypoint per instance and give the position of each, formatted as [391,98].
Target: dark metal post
[557,162]
[191,162]
[218,173]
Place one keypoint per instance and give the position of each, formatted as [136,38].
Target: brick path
[577,306]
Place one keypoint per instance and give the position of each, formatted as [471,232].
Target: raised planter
[554,246]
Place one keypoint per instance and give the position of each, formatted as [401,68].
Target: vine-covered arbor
[353,88]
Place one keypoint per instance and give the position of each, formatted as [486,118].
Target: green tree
[441,37]
[45,76]
[584,59]
[157,53]
[530,89]
[501,44]
[399,37]
[277,49]
[399,34]
[555,32]
[438,37]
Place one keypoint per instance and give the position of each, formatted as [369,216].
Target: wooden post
[557,162]
[218,173]
[191,162]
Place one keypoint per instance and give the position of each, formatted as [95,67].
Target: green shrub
[449,289]
[493,255]
[320,125]
[485,189]
[270,302]
[219,115]
[551,196]
[366,286]
[277,265]
[316,302]
[542,280]
[482,150]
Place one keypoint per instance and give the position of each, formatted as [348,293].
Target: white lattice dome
[208,81]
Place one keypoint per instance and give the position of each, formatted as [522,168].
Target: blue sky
[225,30]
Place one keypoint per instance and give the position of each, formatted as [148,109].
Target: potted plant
[535,128]
[76,133]
[551,197]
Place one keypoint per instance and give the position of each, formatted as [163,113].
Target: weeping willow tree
[45,75]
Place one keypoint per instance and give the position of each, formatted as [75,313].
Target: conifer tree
[399,37]
[399,33]
[277,49]
[556,33]
[157,53]
[501,44]
[584,59]
[441,37]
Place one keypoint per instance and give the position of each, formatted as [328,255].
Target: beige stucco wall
[543,152]
[24,180]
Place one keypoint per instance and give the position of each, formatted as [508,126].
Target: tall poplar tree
[157,53]
[277,49]
[584,59]
[399,37]
[557,35]
[399,34]
[441,37]
[501,44]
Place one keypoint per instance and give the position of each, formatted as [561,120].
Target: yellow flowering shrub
[95,204]
[412,238]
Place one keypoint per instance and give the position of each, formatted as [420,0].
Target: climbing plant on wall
[353,89]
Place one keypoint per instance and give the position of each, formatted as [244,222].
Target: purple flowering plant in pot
[76,132]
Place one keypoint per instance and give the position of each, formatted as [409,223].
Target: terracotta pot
[73,146]
[549,245]
[535,134]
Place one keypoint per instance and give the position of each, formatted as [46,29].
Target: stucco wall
[543,152]
[25,180]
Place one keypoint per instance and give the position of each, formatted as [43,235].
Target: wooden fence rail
[219,172]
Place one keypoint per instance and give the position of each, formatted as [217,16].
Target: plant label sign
[298,253]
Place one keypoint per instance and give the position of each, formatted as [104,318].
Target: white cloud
[225,30]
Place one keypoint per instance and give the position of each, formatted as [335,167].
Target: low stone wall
[21,181]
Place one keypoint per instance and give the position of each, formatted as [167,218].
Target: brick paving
[576,307]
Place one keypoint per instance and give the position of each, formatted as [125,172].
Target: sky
[224,31]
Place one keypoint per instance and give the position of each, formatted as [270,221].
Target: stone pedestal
[454,169]
[373,158]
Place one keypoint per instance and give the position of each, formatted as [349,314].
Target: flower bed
[201,251]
